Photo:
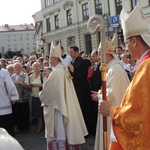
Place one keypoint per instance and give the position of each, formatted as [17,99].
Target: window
[49,48]
[8,47]
[21,37]
[57,22]
[28,46]
[8,37]
[48,24]
[85,11]
[21,47]
[98,37]
[88,43]
[55,1]
[69,17]
[71,40]
[133,3]
[34,46]
[118,6]
[98,7]
[15,47]
[27,36]
[15,37]
[47,3]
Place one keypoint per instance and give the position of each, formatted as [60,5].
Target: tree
[11,54]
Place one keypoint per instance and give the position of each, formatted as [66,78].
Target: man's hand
[104,107]
[94,95]
[13,102]
[71,67]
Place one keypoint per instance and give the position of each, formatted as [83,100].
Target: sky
[15,12]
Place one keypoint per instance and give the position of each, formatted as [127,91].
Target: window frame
[98,5]
[21,37]
[15,47]
[27,37]
[133,4]
[69,17]
[21,47]
[48,25]
[8,37]
[56,18]
[88,43]
[118,4]
[15,37]
[47,3]
[34,46]
[9,47]
[85,11]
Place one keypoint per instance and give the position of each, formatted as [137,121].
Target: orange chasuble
[131,121]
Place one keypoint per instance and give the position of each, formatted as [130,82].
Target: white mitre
[56,52]
[110,48]
[135,24]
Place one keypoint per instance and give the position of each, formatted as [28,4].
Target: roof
[21,27]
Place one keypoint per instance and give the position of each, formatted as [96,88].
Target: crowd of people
[30,74]
[63,93]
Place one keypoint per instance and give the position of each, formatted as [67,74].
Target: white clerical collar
[59,64]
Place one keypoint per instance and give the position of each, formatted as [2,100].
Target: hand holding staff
[102,46]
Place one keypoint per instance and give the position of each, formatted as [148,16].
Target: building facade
[66,21]
[17,38]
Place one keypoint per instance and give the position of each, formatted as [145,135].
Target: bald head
[94,56]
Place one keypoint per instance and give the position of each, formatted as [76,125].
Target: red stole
[145,57]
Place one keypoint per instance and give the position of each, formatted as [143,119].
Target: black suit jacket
[96,81]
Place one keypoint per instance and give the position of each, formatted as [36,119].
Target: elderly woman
[10,69]
[36,81]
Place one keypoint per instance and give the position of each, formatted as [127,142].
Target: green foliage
[11,54]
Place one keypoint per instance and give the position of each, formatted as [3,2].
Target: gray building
[66,21]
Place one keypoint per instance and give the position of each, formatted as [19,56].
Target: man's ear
[135,40]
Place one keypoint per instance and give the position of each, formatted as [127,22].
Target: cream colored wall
[78,28]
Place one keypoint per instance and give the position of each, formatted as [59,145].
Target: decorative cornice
[67,4]
[52,12]
[80,1]
[46,14]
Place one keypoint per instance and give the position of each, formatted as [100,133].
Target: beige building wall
[79,27]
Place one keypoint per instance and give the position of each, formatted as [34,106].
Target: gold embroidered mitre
[135,24]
